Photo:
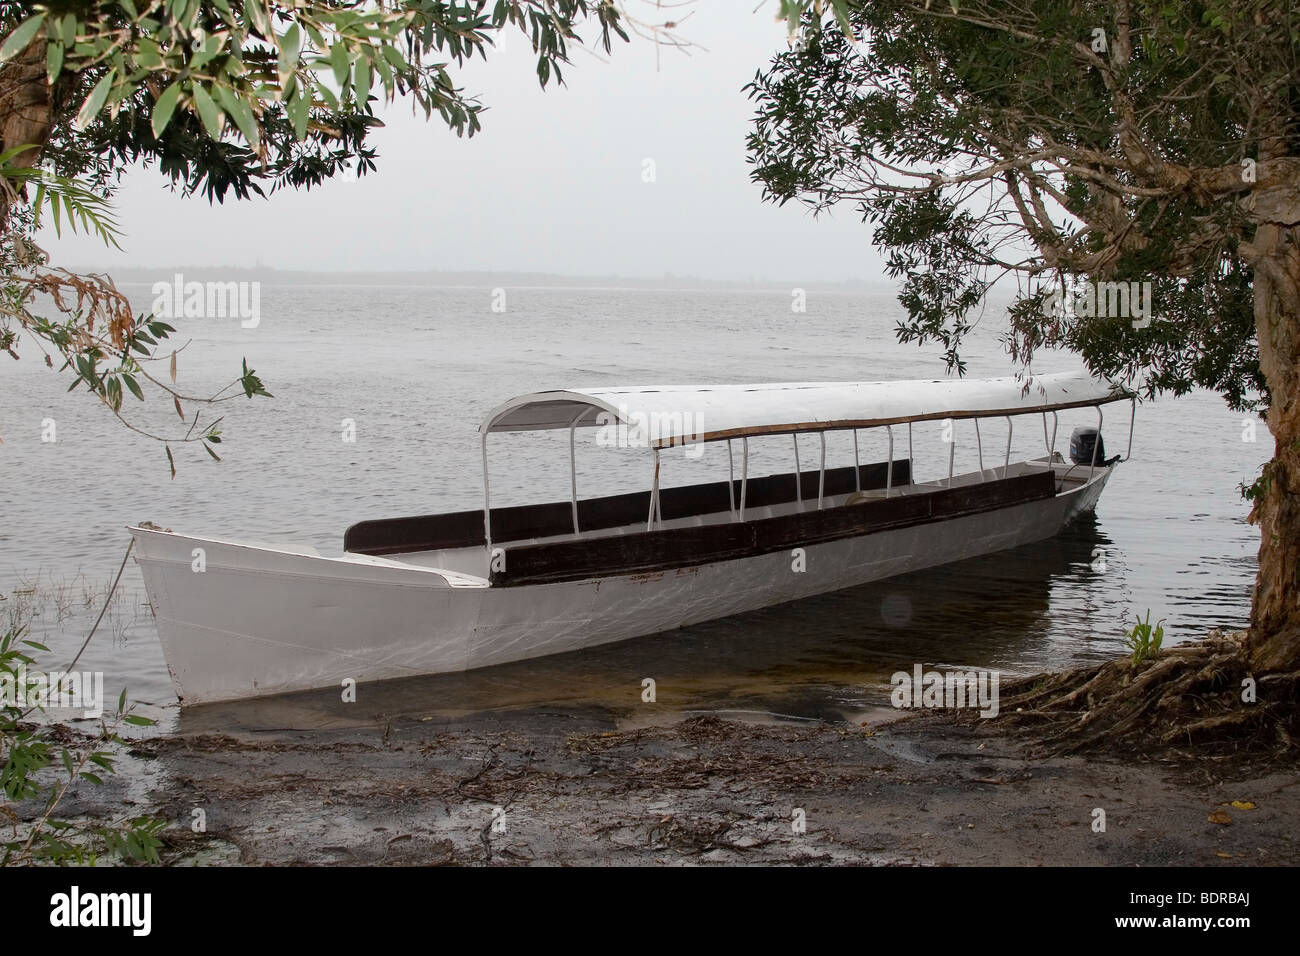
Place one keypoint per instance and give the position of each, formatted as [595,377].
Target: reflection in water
[823,657]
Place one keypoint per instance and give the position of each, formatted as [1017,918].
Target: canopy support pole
[654,496]
[821,473]
[857,469]
[889,468]
[731,481]
[487,504]
[1095,445]
[573,469]
[1052,452]
[952,447]
[1006,465]
[911,459]
[979,447]
[1131,419]
[798,475]
[744,474]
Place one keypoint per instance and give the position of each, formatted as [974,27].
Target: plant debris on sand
[578,786]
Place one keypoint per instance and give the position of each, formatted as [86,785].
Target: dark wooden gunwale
[654,551]
[464,529]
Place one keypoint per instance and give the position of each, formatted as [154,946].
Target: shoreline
[542,786]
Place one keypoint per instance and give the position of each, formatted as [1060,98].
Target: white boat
[452,592]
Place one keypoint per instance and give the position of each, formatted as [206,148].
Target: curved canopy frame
[676,415]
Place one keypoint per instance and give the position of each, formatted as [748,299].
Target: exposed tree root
[1197,695]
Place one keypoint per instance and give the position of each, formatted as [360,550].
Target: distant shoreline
[137,275]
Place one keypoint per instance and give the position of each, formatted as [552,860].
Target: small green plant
[1258,489]
[38,770]
[1145,640]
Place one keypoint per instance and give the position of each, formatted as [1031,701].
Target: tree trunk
[24,108]
[1274,641]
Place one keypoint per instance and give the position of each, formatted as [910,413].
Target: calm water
[416,368]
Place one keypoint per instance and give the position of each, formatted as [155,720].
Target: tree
[229,97]
[1048,143]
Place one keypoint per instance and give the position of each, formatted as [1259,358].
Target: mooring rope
[102,611]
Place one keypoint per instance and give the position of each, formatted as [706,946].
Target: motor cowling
[1085,442]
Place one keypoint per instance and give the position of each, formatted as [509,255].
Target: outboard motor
[1085,441]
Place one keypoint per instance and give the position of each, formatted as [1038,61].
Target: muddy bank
[578,787]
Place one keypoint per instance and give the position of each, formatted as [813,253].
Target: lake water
[416,368]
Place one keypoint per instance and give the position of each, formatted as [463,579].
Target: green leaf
[102,761]
[22,36]
[208,111]
[385,73]
[164,107]
[340,63]
[92,777]
[394,57]
[252,384]
[53,60]
[842,16]
[290,47]
[208,449]
[38,203]
[135,720]
[95,101]
[148,55]
[171,462]
[361,77]
[257,14]
[299,109]
[133,385]
[239,110]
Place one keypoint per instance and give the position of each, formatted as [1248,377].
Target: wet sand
[589,786]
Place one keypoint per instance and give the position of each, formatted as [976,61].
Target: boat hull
[238,621]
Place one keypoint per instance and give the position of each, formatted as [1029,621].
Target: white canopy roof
[678,414]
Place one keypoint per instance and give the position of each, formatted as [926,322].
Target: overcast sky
[553,183]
